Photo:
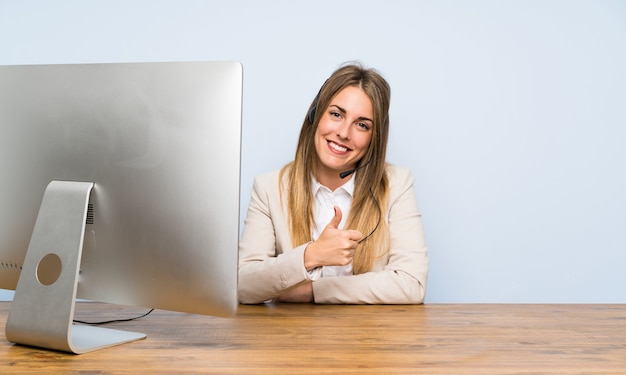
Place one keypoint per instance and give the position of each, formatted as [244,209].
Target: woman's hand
[301,294]
[334,247]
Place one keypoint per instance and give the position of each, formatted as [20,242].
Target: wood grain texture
[315,339]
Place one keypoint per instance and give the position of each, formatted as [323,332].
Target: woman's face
[343,133]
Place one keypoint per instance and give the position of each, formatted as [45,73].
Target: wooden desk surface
[311,339]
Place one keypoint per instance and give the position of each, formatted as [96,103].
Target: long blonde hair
[371,188]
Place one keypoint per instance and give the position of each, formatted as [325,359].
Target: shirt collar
[348,186]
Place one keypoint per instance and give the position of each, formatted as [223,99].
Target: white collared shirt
[323,202]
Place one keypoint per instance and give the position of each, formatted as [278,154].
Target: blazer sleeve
[268,265]
[401,277]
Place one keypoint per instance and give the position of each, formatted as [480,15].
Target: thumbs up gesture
[334,247]
[334,222]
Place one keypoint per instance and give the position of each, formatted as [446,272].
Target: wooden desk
[310,339]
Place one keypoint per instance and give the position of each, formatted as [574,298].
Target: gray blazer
[269,265]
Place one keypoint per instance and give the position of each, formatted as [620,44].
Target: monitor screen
[152,150]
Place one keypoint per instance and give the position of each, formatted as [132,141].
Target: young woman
[338,224]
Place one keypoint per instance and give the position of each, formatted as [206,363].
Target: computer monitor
[119,182]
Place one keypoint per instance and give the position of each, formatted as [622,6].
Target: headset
[314,108]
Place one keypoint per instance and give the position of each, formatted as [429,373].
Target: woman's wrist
[309,257]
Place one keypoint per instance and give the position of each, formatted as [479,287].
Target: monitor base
[42,310]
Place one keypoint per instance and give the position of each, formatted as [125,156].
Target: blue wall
[511,114]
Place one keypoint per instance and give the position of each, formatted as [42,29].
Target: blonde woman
[338,224]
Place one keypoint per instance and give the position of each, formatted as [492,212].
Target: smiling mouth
[337,147]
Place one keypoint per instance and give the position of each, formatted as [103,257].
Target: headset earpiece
[314,108]
[312,113]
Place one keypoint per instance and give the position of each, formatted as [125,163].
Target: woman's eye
[363,126]
[335,114]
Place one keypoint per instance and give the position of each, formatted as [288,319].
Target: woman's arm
[268,265]
[401,277]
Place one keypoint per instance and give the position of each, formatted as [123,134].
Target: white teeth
[337,147]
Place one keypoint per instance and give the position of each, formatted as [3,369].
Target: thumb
[334,222]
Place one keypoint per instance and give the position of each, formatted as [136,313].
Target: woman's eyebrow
[343,111]
[339,108]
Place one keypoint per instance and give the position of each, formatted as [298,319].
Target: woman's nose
[343,130]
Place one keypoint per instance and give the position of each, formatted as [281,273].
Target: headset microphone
[348,173]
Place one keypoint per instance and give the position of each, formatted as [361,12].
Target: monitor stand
[42,310]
